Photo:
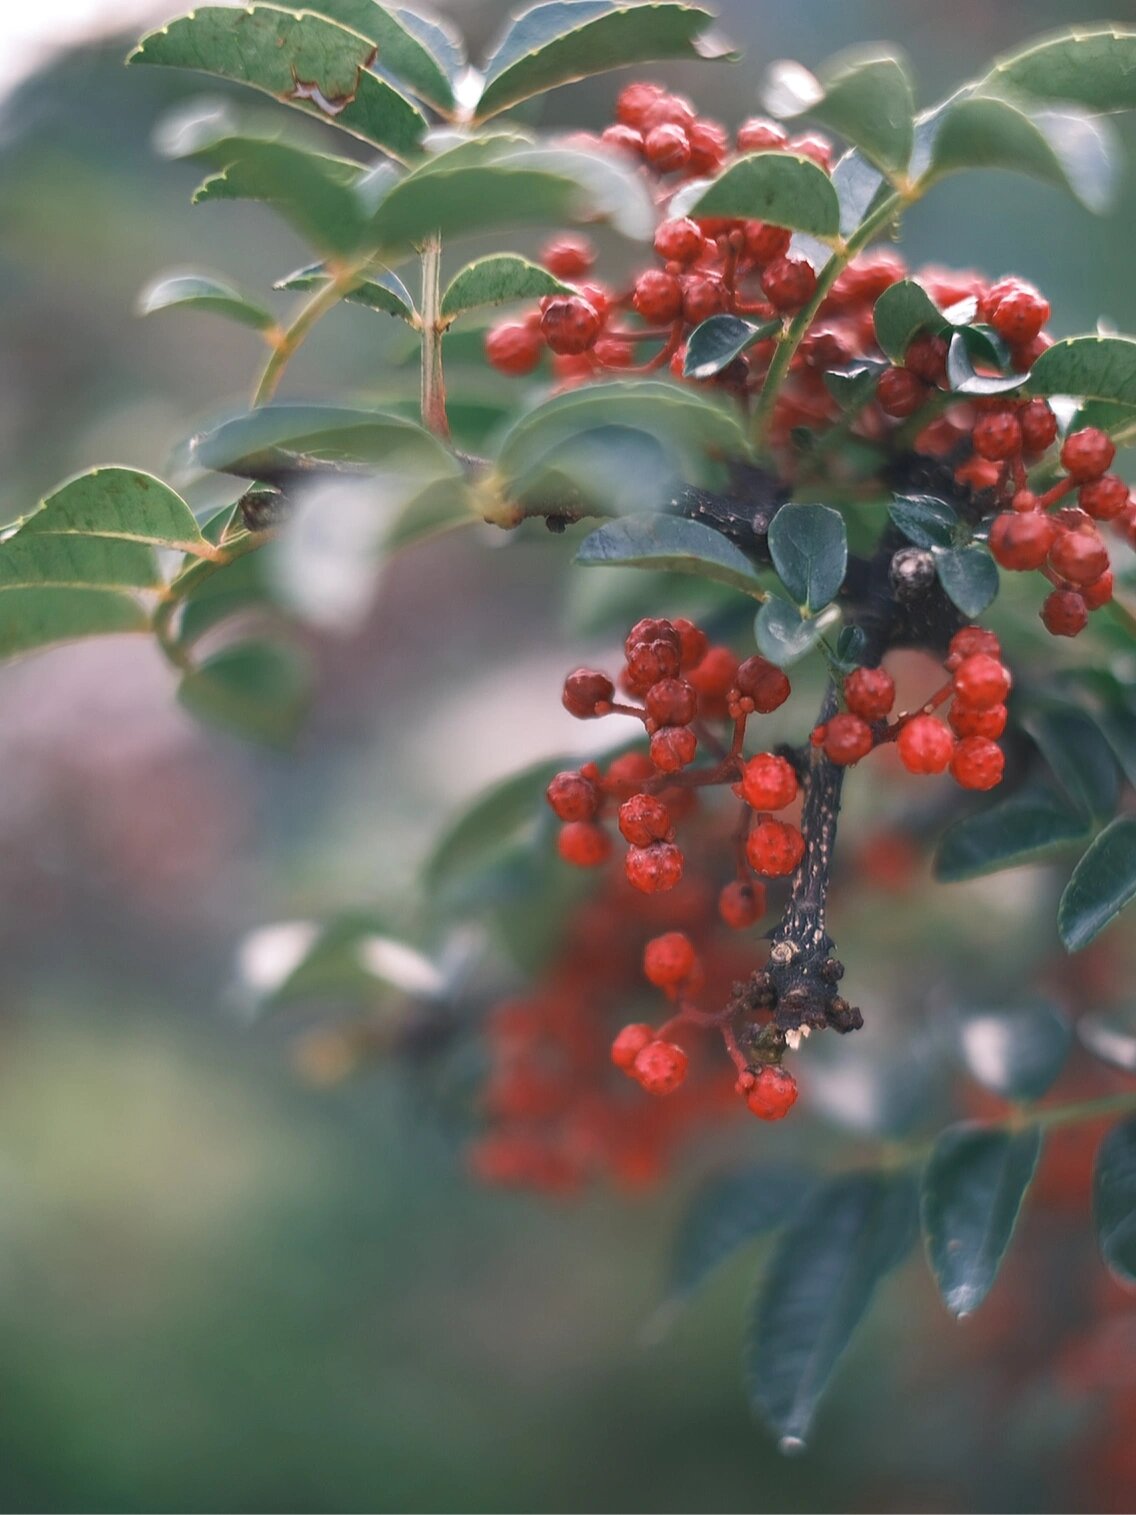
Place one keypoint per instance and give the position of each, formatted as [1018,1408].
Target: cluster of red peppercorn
[977,689]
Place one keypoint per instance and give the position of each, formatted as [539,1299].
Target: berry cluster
[977,690]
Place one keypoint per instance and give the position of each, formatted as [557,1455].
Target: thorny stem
[434,416]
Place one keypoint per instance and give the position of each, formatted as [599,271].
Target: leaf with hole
[302,59]
[1114,1201]
[778,187]
[565,40]
[1102,883]
[809,547]
[853,1231]
[972,1192]
[671,544]
[203,292]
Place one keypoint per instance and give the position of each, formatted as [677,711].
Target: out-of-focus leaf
[973,1188]
[778,187]
[490,824]
[809,547]
[384,292]
[203,292]
[315,194]
[347,958]
[1026,829]
[262,441]
[1114,1201]
[458,200]
[671,543]
[495,281]
[1081,759]
[1095,69]
[31,618]
[564,40]
[258,690]
[1017,1051]
[1103,882]
[727,1212]
[866,96]
[783,635]
[819,1285]
[302,59]
[1111,1036]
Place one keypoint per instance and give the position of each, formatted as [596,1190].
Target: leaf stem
[434,416]
[341,282]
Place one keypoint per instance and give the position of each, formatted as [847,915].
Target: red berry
[1104,498]
[812,145]
[568,257]
[693,643]
[613,352]
[1065,613]
[925,745]
[672,702]
[981,681]
[628,1044]
[1087,454]
[977,763]
[1079,556]
[713,676]
[1020,314]
[997,435]
[764,242]
[643,819]
[627,774]
[772,1094]
[758,135]
[926,357]
[624,138]
[774,848]
[900,392]
[658,296]
[709,145]
[583,844]
[768,782]
[1021,542]
[789,283]
[968,641]
[569,323]
[654,869]
[649,631]
[762,682]
[869,693]
[669,110]
[741,903]
[847,739]
[586,689]
[702,297]
[978,474]
[649,662]
[635,100]
[1098,593]
[573,797]
[660,1067]
[669,959]
[1039,425]
[667,148]
[513,347]
[672,748]
[679,240]
[967,722]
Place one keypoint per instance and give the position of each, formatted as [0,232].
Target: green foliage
[717,341]
[972,1192]
[384,292]
[1114,1201]
[727,1212]
[778,187]
[203,292]
[497,280]
[261,442]
[1017,1051]
[969,576]
[1027,828]
[672,544]
[784,635]
[1095,69]
[865,95]
[809,546]
[402,48]
[496,820]
[254,689]
[1102,883]
[1079,758]
[40,617]
[1093,368]
[925,520]
[1110,1035]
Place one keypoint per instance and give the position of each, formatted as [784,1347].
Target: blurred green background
[221,1288]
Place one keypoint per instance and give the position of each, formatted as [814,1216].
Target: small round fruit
[925,745]
[660,1067]
[583,844]
[978,763]
[769,782]
[741,903]
[669,960]
[1065,613]
[774,848]
[573,797]
[570,324]
[772,1094]
[654,869]
[586,692]
[869,693]
[628,1044]
[1087,454]
[513,347]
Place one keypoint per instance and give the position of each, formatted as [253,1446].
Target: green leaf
[258,690]
[964,378]
[865,96]
[1095,69]
[565,40]
[1081,759]
[123,503]
[819,1285]
[496,819]
[726,1213]
[202,292]
[461,200]
[1118,724]
[809,547]
[1025,829]
[346,959]
[495,281]
[1103,882]
[1092,368]
[264,441]
[302,59]
[1067,150]
[782,635]
[717,341]
[674,544]
[1016,1051]
[236,589]
[925,520]
[973,1189]
[315,194]
[384,292]
[1114,1201]
[1110,1035]
[63,561]
[31,618]
[969,577]
[402,51]
[901,313]
[613,189]
[854,386]
[883,1092]
[851,649]
[779,187]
